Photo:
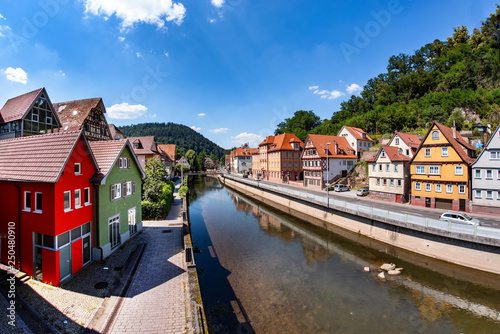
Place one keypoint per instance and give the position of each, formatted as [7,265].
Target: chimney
[454,130]
[336,148]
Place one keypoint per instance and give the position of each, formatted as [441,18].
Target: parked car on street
[363,192]
[341,187]
[459,218]
[245,176]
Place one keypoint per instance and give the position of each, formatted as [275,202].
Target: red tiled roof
[456,143]
[358,133]
[410,139]
[245,152]
[392,153]
[268,140]
[320,141]
[283,142]
[38,158]
[72,114]
[169,150]
[113,131]
[106,153]
[16,107]
[147,143]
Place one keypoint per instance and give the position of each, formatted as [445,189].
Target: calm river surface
[264,271]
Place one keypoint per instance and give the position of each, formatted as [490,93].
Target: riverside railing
[410,221]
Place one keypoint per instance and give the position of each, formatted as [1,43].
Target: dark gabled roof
[38,158]
[106,153]
[486,145]
[72,114]
[16,107]
[113,131]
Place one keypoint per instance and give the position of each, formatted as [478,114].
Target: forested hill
[170,133]
[438,82]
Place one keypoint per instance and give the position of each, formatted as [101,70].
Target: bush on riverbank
[158,193]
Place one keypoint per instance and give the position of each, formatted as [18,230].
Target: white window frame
[428,186]
[418,186]
[432,170]
[478,193]
[399,183]
[26,207]
[387,168]
[84,197]
[37,209]
[427,152]
[490,172]
[449,188]
[461,188]
[419,168]
[477,173]
[435,135]
[438,188]
[78,198]
[79,172]
[459,170]
[117,191]
[391,182]
[396,168]
[128,191]
[494,155]
[396,140]
[66,209]
[444,151]
[489,194]
[377,182]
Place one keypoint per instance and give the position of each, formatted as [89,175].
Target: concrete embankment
[478,254]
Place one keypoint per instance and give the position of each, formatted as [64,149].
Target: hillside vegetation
[442,81]
[182,136]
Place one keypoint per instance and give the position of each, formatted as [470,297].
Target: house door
[65,262]
[461,205]
[427,202]
[86,249]
[38,264]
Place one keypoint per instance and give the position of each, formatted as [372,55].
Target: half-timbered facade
[86,115]
[325,159]
[28,114]
[440,170]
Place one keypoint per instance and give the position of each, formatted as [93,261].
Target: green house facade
[117,193]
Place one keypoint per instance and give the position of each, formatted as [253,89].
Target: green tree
[153,183]
[179,152]
[300,124]
[192,160]
[201,160]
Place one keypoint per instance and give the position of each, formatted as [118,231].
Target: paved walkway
[156,301]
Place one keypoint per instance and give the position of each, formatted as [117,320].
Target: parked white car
[459,218]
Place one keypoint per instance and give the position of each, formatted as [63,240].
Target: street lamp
[327,176]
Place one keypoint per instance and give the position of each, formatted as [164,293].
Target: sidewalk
[156,300]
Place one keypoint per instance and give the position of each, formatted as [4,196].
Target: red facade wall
[76,256]
[52,220]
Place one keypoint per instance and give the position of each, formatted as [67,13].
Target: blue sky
[230,69]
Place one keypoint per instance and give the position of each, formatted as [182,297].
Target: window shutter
[112,192]
[124,189]
[128,164]
[120,163]
[133,187]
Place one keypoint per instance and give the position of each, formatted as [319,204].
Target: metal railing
[366,210]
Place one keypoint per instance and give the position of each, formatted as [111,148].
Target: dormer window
[435,135]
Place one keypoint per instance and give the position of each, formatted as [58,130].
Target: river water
[264,271]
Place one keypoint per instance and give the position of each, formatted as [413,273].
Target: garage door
[445,204]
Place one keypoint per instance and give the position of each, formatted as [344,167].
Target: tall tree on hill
[192,160]
[300,124]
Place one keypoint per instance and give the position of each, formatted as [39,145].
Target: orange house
[440,170]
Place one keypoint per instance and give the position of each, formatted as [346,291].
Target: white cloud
[165,54]
[61,73]
[121,38]
[313,87]
[219,130]
[212,20]
[251,138]
[126,111]
[16,75]
[195,128]
[132,11]
[2,17]
[202,114]
[4,29]
[138,55]
[326,94]
[354,88]
[218,3]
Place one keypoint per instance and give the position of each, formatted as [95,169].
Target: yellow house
[440,170]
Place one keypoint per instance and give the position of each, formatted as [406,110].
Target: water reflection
[288,276]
